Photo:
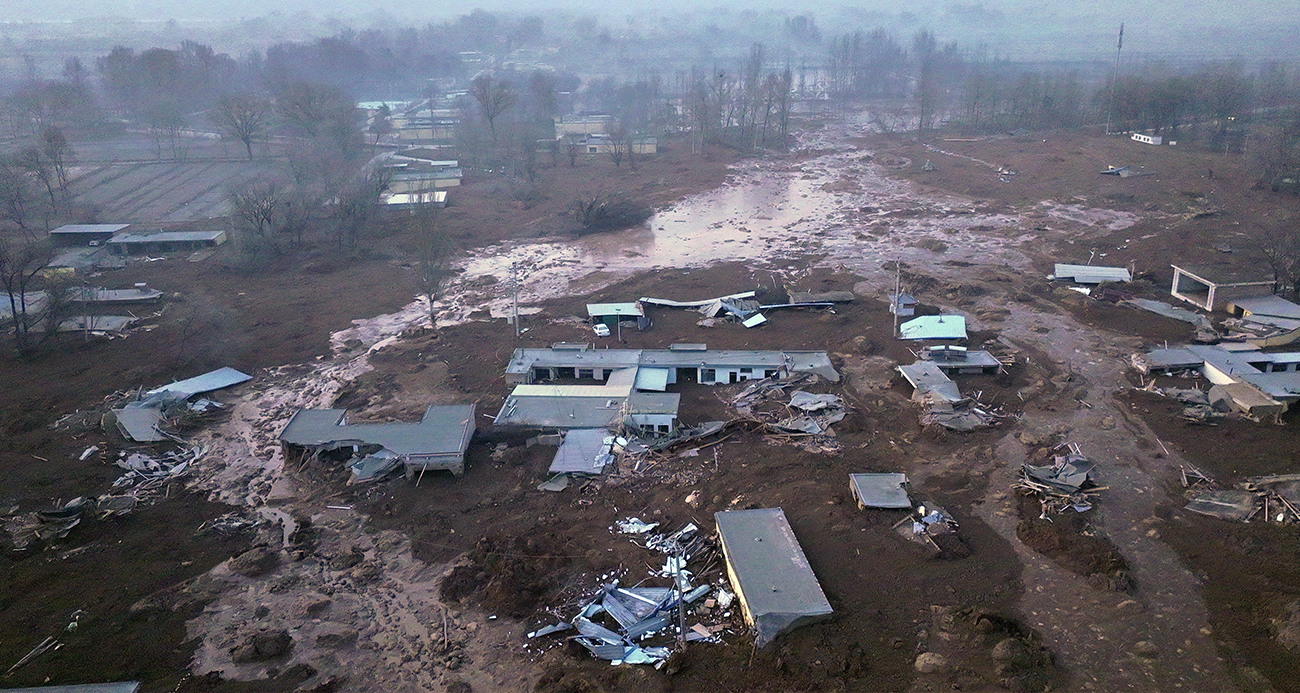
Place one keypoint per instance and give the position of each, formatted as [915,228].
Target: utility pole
[898,284]
[514,288]
[1114,77]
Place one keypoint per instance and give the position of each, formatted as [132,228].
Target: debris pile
[30,530]
[638,624]
[1065,484]
[148,473]
[1276,496]
[805,419]
[930,525]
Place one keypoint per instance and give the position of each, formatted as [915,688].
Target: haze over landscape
[614,348]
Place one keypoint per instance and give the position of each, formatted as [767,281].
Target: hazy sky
[1253,29]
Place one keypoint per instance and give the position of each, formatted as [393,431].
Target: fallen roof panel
[880,490]
[139,424]
[770,573]
[1161,308]
[213,380]
[583,451]
[930,382]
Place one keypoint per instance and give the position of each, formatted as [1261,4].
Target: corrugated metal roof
[1092,274]
[578,391]
[212,380]
[770,573]
[934,327]
[795,360]
[89,228]
[166,237]
[602,309]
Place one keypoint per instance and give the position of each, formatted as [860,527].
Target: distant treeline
[743,98]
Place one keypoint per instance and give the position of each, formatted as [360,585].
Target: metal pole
[514,281]
[898,288]
[681,601]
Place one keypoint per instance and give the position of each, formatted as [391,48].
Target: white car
[602,330]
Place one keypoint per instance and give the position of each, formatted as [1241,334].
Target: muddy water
[834,206]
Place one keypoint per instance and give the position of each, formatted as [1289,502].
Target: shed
[902,305]
[1269,306]
[959,360]
[85,234]
[882,490]
[613,313]
[139,243]
[768,570]
[1211,288]
[934,327]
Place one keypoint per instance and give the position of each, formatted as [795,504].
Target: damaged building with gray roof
[436,442]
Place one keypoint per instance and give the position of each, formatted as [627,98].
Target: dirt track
[357,588]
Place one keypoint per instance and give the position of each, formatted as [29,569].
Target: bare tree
[572,148]
[21,262]
[434,251]
[32,161]
[17,194]
[242,117]
[56,148]
[355,206]
[494,97]
[257,207]
[620,144]
[1280,249]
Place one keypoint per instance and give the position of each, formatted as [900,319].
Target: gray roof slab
[770,573]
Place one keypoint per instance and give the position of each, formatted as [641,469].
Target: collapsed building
[1244,379]
[436,442]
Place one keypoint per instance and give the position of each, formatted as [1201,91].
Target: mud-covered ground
[347,588]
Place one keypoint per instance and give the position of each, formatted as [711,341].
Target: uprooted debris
[146,473]
[942,400]
[1065,484]
[804,420]
[30,530]
[931,526]
[1278,496]
[639,624]
[1202,406]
